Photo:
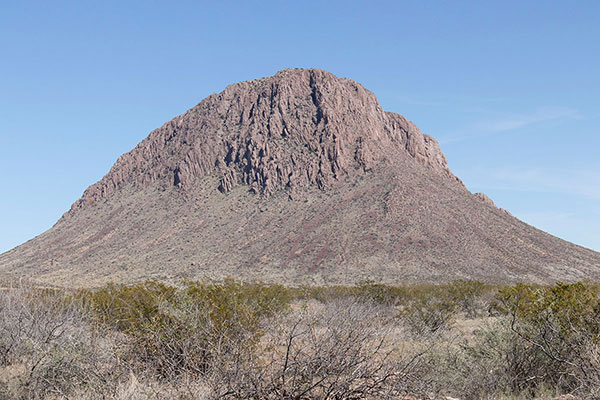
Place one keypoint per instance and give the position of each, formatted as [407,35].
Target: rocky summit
[297,178]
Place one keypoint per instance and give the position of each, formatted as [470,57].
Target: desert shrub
[429,309]
[471,297]
[177,331]
[243,300]
[127,308]
[366,290]
[325,294]
[495,363]
[381,294]
[570,308]
[47,346]
[560,325]
[253,341]
[340,351]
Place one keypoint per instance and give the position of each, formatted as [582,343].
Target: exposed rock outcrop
[298,178]
[296,129]
[485,198]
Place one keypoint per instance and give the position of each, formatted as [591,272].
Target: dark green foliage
[128,308]
[367,290]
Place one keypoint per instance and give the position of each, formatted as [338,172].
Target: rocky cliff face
[296,129]
[298,178]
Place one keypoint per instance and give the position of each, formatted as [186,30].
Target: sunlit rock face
[297,178]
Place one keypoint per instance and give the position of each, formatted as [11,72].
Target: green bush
[569,308]
[494,363]
[128,308]
[560,325]
[180,331]
[470,296]
[429,309]
[324,294]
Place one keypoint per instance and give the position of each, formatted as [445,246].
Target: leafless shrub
[343,351]
[191,342]
[148,387]
[590,362]
[560,324]
[490,365]
[498,363]
[46,341]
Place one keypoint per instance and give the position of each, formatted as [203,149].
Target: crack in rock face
[298,178]
[296,129]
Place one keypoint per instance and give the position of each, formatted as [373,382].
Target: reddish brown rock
[296,129]
[483,197]
[297,178]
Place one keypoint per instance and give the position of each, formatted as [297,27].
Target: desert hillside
[297,178]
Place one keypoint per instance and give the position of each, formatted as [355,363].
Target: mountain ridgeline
[297,178]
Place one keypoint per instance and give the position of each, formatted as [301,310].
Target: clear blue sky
[511,89]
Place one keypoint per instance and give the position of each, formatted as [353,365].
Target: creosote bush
[561,325]
[177,331]
[429,311]
[542,339]
[471,297]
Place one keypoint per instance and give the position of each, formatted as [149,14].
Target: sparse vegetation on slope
[298,178]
